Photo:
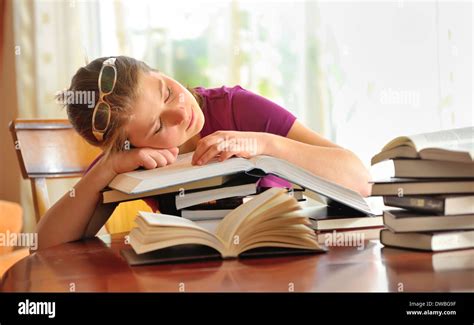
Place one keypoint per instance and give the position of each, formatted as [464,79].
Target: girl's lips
[191,119]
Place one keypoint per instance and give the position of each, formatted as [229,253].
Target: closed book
[193,199]
[439,204]
[236,187]
[348,237]
[420,168]
[110,195]
[329,223]
[211,210]
[409,221]
[228,203]
[453,261]
[429,241]
[204,214]
[329,218]
[410,186]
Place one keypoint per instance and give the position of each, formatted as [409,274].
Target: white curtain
[49,47]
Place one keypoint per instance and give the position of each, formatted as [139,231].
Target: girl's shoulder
[219,92]
[239,109]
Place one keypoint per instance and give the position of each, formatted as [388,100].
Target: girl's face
[165,114]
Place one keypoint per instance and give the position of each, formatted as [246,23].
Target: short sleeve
[255,113]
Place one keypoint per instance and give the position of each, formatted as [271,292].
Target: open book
[182,172]
[451,145]
[268,220]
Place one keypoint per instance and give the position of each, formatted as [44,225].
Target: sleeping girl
[144,118]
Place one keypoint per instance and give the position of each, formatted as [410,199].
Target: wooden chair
[49,149]
[52,149]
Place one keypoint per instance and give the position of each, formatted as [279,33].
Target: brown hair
[120,100]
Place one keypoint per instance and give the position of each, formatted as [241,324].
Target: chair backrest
[49,149]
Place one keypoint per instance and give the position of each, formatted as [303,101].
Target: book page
[164,220]
[445,139]
[312,182]
[467,147]
[164,230]
[233,220]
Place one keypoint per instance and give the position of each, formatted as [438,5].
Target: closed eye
[159,128]
[166,100]
[169,94]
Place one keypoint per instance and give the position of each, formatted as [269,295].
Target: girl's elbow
[365,187]
[365,190]
[361,183]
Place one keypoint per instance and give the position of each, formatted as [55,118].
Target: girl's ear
[131,145]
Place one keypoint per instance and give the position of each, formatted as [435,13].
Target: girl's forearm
[68,218]
[338,165]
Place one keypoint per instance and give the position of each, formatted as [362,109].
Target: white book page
[312,182]
[455,139]
[165,220]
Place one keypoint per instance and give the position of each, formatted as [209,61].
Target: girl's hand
[148,158]
[225,144]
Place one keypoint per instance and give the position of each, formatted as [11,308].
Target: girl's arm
[68,218]
[302,147]
[305,148]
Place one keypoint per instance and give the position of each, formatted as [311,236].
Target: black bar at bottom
[414,307]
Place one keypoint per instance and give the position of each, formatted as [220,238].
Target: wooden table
[96,265]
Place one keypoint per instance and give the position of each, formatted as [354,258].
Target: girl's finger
[201,147]
[168,155]
[211,152]
[243,154]
[174,151]
[159,158]
[226,155]
[146,161]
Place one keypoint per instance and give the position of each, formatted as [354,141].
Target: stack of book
[333,221]
[217,189]
[432,189]
[216,202]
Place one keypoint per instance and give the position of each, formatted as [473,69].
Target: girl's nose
[175,116]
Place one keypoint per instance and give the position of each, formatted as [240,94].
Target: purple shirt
[237,109]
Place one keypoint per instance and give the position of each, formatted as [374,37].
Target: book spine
[416,203]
